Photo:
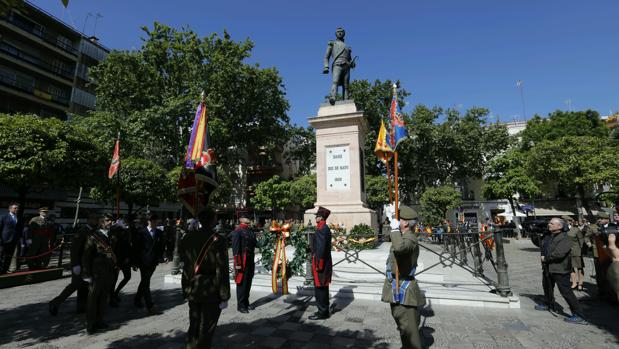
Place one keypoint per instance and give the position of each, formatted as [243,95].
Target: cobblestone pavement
[281,322]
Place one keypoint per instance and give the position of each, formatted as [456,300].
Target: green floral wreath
[297,238]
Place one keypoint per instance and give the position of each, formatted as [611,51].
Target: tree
[272,194]
[303,191]
[436,201]
[46,152]
[506,176]
[301,147]
[142,183]
[574,165]
[159,88]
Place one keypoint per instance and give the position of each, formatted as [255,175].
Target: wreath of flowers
[297,239]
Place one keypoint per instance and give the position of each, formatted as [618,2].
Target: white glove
[394,224]
[88,280]
[223,305]
[77,270]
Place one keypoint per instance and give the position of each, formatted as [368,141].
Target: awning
[518,214]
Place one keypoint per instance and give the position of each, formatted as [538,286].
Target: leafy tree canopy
[436,201]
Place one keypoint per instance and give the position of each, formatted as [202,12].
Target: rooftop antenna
[96,20]
[86,21]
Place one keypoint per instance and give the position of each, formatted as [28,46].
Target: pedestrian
[401,290]
[149,245]
[121,234]
[243,249]
[41,236]
[98,265]
[613,270]
[11,227]
[556,263]
[577,276]
[322,264]
[205,280]
[594,237]
[78,244]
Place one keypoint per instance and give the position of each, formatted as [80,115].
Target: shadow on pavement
[175,340]
[265,300]
[342,299]
[32,322]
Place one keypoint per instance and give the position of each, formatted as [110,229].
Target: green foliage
[303,191]
[574,164]
[377,192]
[272,194]
[301,147]
[507,176]
[153,92]
[46,151]
[436,201]
[561,124]
[142,183]
[360,233]
[297,238]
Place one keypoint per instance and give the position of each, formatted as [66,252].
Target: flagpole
[389,181]
[395,165]
[118,181]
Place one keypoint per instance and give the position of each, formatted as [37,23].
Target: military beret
[408,213]
[567,218]
[603,214]
[43,209]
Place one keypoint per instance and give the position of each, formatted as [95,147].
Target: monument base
[348,215]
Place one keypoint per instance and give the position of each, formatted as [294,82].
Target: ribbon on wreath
[279,257]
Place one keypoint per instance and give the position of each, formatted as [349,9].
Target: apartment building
[44,65]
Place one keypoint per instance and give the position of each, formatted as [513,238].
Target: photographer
[613,270]
[556,263]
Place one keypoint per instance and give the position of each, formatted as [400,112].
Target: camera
[612,228]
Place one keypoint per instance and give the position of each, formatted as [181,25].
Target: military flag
[398,129]
[382,149]
[198,177]
[115,159]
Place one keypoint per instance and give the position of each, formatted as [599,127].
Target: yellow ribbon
[279,256]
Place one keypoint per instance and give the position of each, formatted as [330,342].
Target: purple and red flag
[198,177]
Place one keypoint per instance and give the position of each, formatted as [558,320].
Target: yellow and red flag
[382,149]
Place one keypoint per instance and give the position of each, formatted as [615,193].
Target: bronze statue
[341,65]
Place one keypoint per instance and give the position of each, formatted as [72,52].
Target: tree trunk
[583,201]
[129,209]
[515,218]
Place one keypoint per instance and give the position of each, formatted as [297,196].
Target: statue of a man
[341,65]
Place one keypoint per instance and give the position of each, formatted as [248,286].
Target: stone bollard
[503,287]
[176,259]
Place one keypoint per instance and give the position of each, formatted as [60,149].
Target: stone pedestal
[340,133]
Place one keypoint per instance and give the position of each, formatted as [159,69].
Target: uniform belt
[405,278]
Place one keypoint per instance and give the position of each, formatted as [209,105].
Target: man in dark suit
[10,233]
[322,264]
[149,245]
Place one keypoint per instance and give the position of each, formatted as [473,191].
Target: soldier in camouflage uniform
[401,289]
[41,233]
[98,267]
[205,279]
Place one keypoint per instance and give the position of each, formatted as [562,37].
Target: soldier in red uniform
[243,246]
[322,265]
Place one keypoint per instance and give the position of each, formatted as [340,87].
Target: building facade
[44,65]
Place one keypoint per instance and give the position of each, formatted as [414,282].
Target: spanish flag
[382,149]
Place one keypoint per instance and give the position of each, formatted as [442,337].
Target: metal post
[309,278]
[477,263]
[462,248]
[176,259]
[503,287]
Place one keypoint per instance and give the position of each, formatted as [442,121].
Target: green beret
[408,213]
[603,214]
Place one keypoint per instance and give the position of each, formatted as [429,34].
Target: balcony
[47,36]
[29,88]
[21,55]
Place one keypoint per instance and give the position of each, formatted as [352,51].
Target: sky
[447,53]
